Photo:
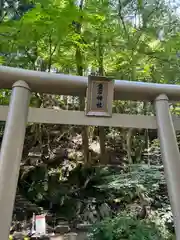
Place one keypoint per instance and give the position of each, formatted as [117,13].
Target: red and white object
[40,224]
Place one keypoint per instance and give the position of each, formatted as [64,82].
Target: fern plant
[125,227]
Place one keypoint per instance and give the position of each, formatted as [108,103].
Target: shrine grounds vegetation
[112,178]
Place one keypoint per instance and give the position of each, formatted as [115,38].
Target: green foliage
[141,178]
[125,227]
[4,96]
[129,49]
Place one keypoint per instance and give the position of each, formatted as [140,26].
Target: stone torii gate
[22,82]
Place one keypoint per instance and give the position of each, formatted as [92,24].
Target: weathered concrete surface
[80,236]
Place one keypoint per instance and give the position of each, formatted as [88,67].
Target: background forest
[109,177]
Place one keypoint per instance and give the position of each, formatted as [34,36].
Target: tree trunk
[102,139]
[129,145]
[102,135]
[146,135]
[79,67]
[133,106]
[85,139]
[1,10]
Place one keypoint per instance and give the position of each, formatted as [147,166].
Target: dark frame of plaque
[100,93]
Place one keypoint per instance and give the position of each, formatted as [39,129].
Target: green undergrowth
[146,178]
[86,188]
[141,185]
[126,227]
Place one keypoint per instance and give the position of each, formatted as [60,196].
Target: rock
[40,237]
[62,222]
[89,217]
[35,152]
[70,236]
[54,133]
[104,210]
[44,238]
[16,227]
[49,228]
[57,237]
[62,229]
[83,226]
[22,208]
[18,236]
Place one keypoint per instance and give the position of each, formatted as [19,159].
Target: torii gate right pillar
[170,156]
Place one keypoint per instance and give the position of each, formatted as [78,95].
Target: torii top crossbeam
[62,84]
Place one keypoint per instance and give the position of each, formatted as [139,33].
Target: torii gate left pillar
[11,153]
